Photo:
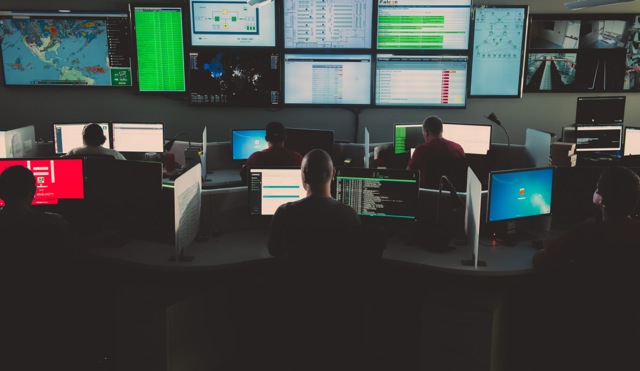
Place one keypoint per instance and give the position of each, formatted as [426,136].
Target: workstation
[231,272]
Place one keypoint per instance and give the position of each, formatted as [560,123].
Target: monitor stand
[508,233]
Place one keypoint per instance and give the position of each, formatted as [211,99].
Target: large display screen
[600,110]
[232,23]
[68,136]
[65,48]
[270,188]
[138,136]
[331,24]
[522,193]
[388,193]
[424,24]
[223,77]
[56,179]
[159,48]
[327,79]
[245,142]
[409,80]
[498,51]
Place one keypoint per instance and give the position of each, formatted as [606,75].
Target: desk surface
[243,247]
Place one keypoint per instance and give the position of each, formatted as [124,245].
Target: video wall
[267,53]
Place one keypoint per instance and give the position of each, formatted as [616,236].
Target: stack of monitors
[56,179]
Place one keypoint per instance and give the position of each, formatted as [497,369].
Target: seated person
[275,154]
[317,209]
[93,138]
[617,196]
[435,157]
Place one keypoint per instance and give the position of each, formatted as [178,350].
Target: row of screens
[605,138]
[107,181]
[121,136]
[392,193]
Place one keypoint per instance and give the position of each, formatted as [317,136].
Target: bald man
[317,209]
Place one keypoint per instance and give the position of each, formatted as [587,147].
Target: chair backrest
[454,168]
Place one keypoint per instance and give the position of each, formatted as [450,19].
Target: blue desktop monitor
[67,136]
[65,48]
[520,193]
[244,142]
[386,193]
[271,187]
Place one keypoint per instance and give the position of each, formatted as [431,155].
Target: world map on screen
[51,51]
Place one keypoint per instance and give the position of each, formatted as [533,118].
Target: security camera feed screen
[234,78]
[550,72]
[56,179]
[65,48]
[519,194]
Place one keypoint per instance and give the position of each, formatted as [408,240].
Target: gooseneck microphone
[493,118]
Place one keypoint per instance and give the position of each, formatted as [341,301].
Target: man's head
[317,170]
[17,185]
[432,128]
[275,133]
[618,191]
[93,135]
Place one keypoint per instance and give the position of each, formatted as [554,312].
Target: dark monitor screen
[304,140]
[138,136]
[474,138]
[67,136]
[593,138]
[65,48]
[244,142]
[224,77]
[389,193]
[631,141]
[271,187]
[420,80]
[335,24]
[232,23]
[159,47]
[522,193]
[56,179]
[600,110]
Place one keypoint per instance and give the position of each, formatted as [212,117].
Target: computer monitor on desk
[631,141]
[517,194]
[271,187]
[244,142]
[594,138]
[67,136]
[138,136]
[475,139]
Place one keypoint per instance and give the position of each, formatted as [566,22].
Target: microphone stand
[493,118]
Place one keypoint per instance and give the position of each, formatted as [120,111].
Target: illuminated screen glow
[515,194]
[56,179]
[138,137]
[246,142]
[69,136]
[270,188]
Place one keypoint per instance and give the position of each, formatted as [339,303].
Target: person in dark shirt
[275,154]
[318,209]
[435,155]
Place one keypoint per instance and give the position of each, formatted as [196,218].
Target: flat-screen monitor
[327,79]
[158,47]
[334,24]
[387,193]
[244,142]
[304,140]
[419,80]
[271,187]
[20,143]
[225,77]
[521,193]
[474,138]
[56,178]
[137,136]
[423,24]
[67,136]
[631,141]
[551,71]
[600,110]
[65,48]
[593,138]
[499,36]
[232,23]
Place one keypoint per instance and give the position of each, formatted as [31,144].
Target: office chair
[332,274]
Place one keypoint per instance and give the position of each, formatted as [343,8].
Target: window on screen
[327,79]
[56,179]
[232,23]
[328,24]
[270,188]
